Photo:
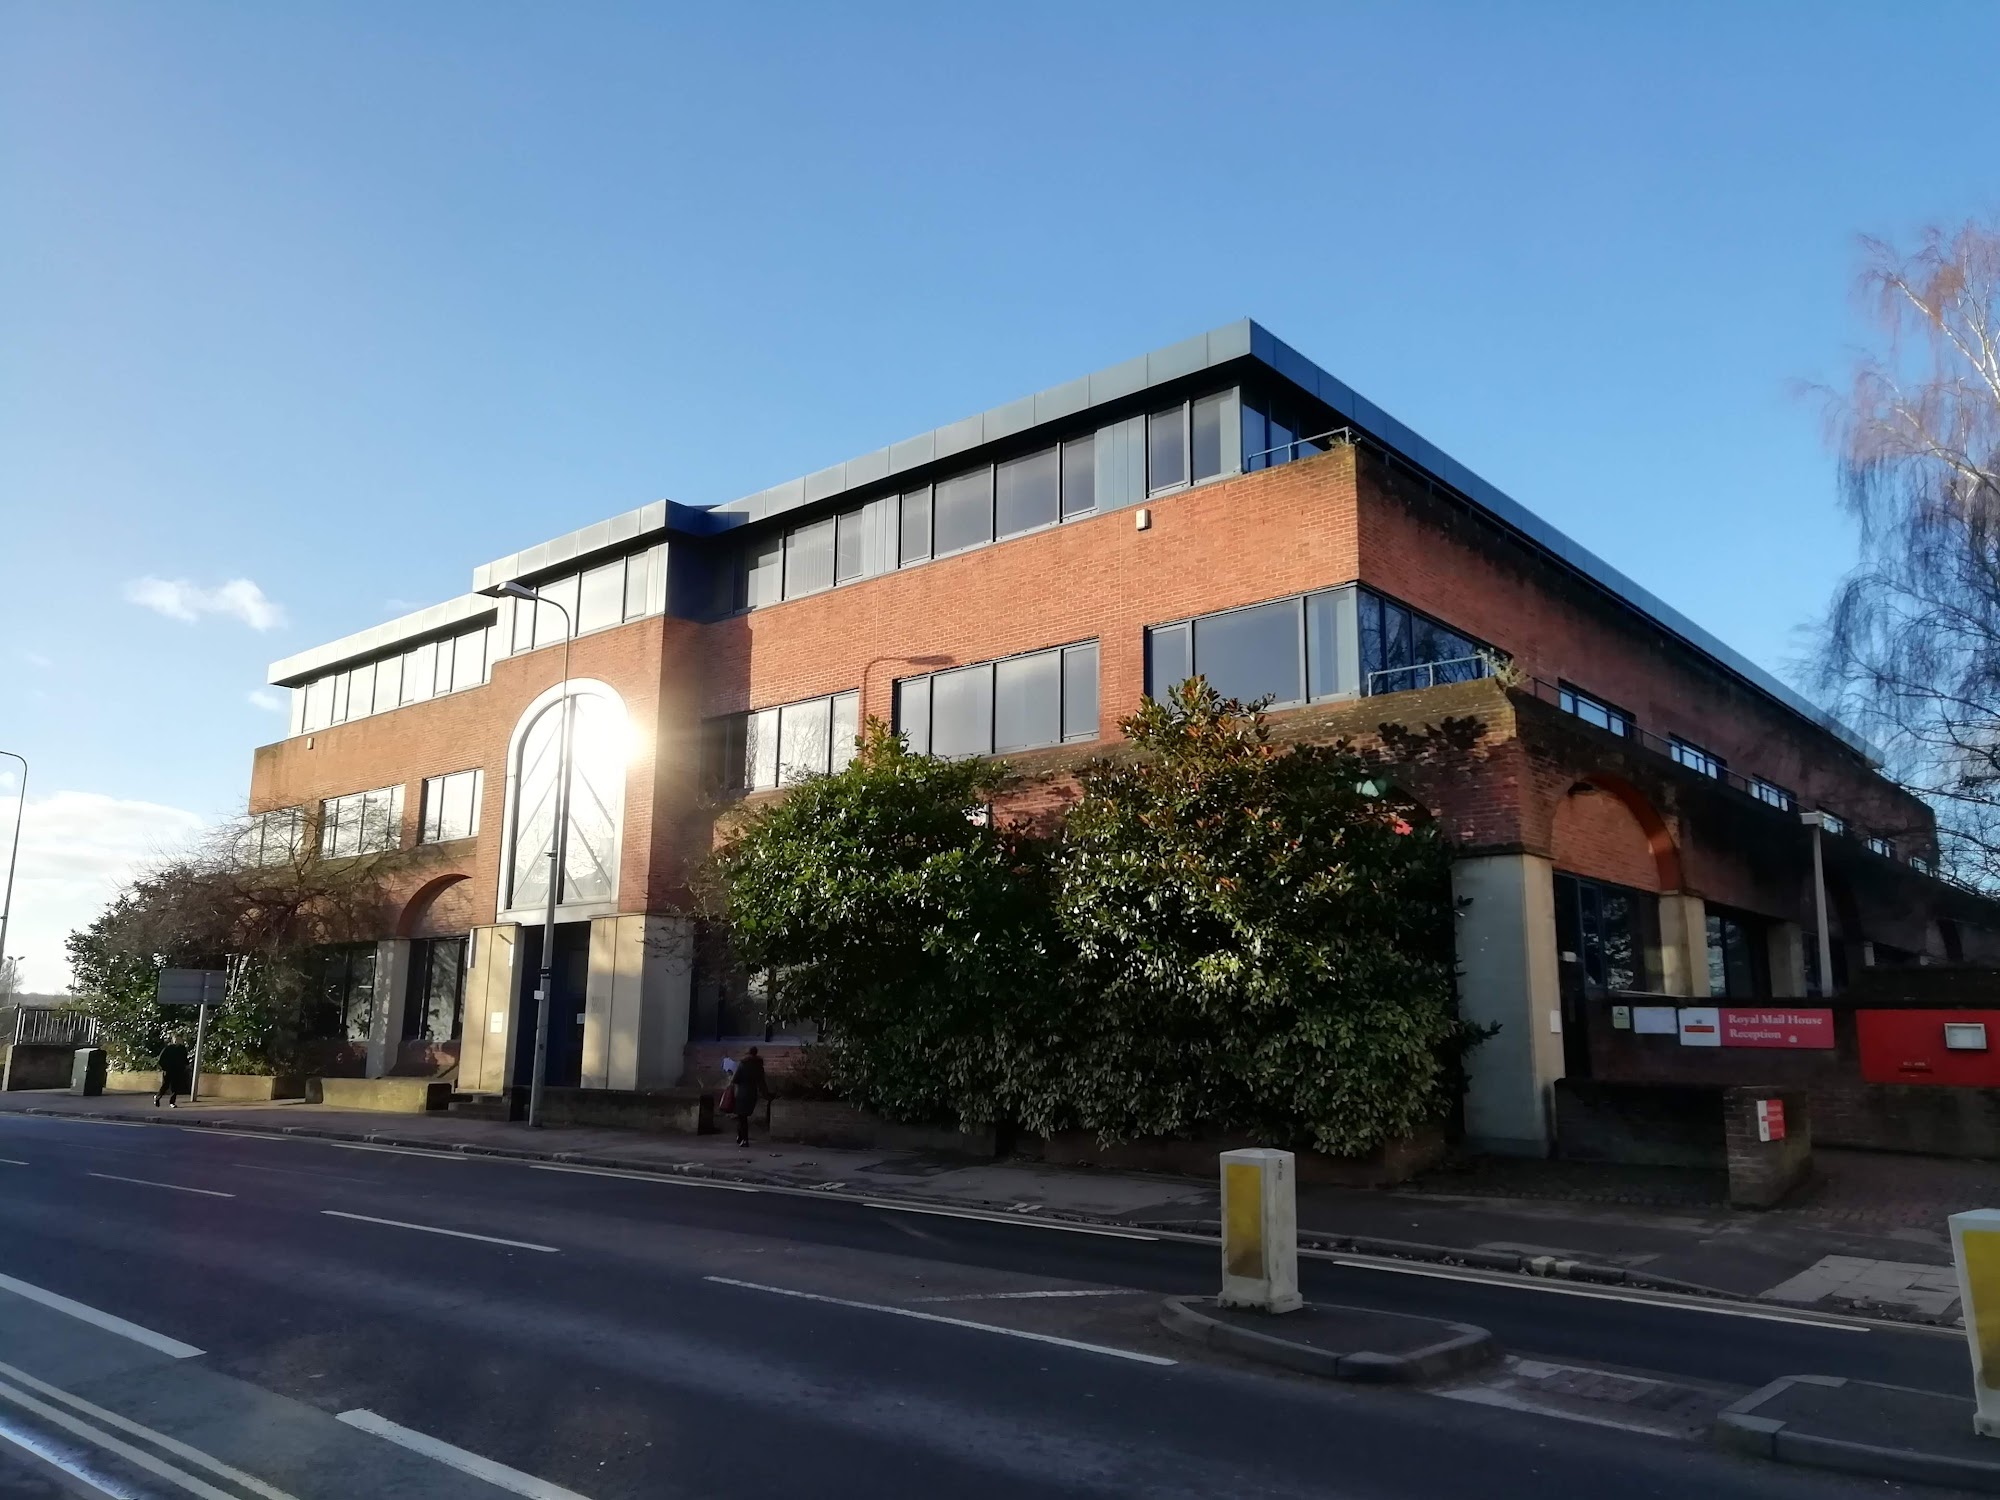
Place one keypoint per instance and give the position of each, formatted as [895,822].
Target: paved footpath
[1869,1234]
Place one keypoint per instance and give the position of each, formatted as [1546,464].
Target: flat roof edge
[437,619]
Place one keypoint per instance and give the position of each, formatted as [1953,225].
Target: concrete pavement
[620,1335]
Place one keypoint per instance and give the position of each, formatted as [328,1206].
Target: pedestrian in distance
[747,1086]
[173,1074]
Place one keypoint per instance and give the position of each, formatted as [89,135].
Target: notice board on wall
[1776,1026]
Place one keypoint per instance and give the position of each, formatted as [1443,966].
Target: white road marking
[148,1182]
[457,1234]
[441,1154]
[1117,1291]
[910,1312]
[10,1161]
[701,1182]
[109,1322]
[1691,1304]
[159,1439]
[31,1442]
[954,1213]
[1484,1397]
[98,1438]
[497,1474]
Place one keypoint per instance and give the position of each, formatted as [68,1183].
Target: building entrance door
[570,976]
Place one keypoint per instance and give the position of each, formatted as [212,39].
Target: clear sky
[306,309]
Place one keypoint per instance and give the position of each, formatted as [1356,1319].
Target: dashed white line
[926,1317]
[109,1322]
[496,1474]
[700,1182]
[390,1150]
[10,1161]
[1116,1291]
[149,1182]
[457,1234]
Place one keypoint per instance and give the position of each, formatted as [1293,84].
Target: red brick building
[1011,584]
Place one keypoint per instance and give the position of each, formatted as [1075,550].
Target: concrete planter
[222,1088]
[828,1122]
[404,1096]
[685,1111]
[36,1065]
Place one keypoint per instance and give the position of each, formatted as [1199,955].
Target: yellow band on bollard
[1242,1219]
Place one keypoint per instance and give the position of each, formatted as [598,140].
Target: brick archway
[1622,837]
[419,905]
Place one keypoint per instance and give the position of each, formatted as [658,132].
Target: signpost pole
[200,1036]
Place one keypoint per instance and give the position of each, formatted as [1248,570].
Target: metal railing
[1429,674]
[46,1026]
[1300,447]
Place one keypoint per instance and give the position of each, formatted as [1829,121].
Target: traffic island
[1339,1343]
[1858,1427]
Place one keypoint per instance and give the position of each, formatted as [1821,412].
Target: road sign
[192,987]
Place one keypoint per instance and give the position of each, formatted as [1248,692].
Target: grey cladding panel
[869,467]
[1005,421]
[911,452]
[1231,342]
[1120,380]
[960,436]
[1121,464]
[826,482]
[1062,400]
[1185,358]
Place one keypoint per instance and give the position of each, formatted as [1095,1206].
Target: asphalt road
[623,1336]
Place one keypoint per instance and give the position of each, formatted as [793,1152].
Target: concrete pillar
[1684,944]
[1508,974]
[1787,944]
[385,1017]
[636,1002]
[489,1009]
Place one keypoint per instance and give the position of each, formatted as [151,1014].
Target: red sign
[1772,1026]
[1770,1119]
[1909,1046]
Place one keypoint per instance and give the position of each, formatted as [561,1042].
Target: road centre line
[457,1234]
[10,1161]
[439,1154]
[109,1322]
[159,1439]
[1692,1304]
[497,1474]
[97,1437]
[953,1213]
[148,1182]
[1115,1291]
[926,1317]
[673,1179]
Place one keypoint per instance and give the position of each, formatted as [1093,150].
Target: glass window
[723,752]
[361,823]
[1206,424]
[802,739]
[1166,449]
[638,581]
[602,597]
[1079,692]
[1254,439]
[1322,645]
[809,559]
[1169,659]
[1282,433]
[763,573]
[1611,934]
[1884,847]
[468,661]
[846,728]
[1772,793]
[319,705]
[962,711]
[1252,653]
[274,838]
[1738,965]
[549,622]
[388,685]
[963,512]
[913,714]
[1028,493]
[524,627]
[1079,476]
[1833,822]
[596,796]
[1027,701]
[847,546]
[361,691]
[916,525]
[451,807]
[1921,865]
[1593,710]
[434,1009]
[341,681]
[419,668]
[441,675]
[1691,755]
[760,753]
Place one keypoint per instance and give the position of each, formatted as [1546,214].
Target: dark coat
[750,1084]
[174,1064]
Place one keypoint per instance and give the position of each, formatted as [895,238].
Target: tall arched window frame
[599,736]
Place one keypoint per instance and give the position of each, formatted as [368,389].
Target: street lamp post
[545,990]
[20,814]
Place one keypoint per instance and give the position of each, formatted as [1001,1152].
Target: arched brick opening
[417,909]
[1606,829]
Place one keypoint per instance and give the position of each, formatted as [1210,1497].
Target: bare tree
[1911,645]
[10,979]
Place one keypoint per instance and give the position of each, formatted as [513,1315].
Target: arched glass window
[596,801]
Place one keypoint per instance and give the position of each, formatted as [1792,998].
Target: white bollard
[1260,1231]
[1975,1249]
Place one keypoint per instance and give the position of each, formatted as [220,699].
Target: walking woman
[748,1086]
[173,1074]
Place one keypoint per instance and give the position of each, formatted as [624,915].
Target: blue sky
[307,309]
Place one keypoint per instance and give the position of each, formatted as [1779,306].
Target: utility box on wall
[1951,1048]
